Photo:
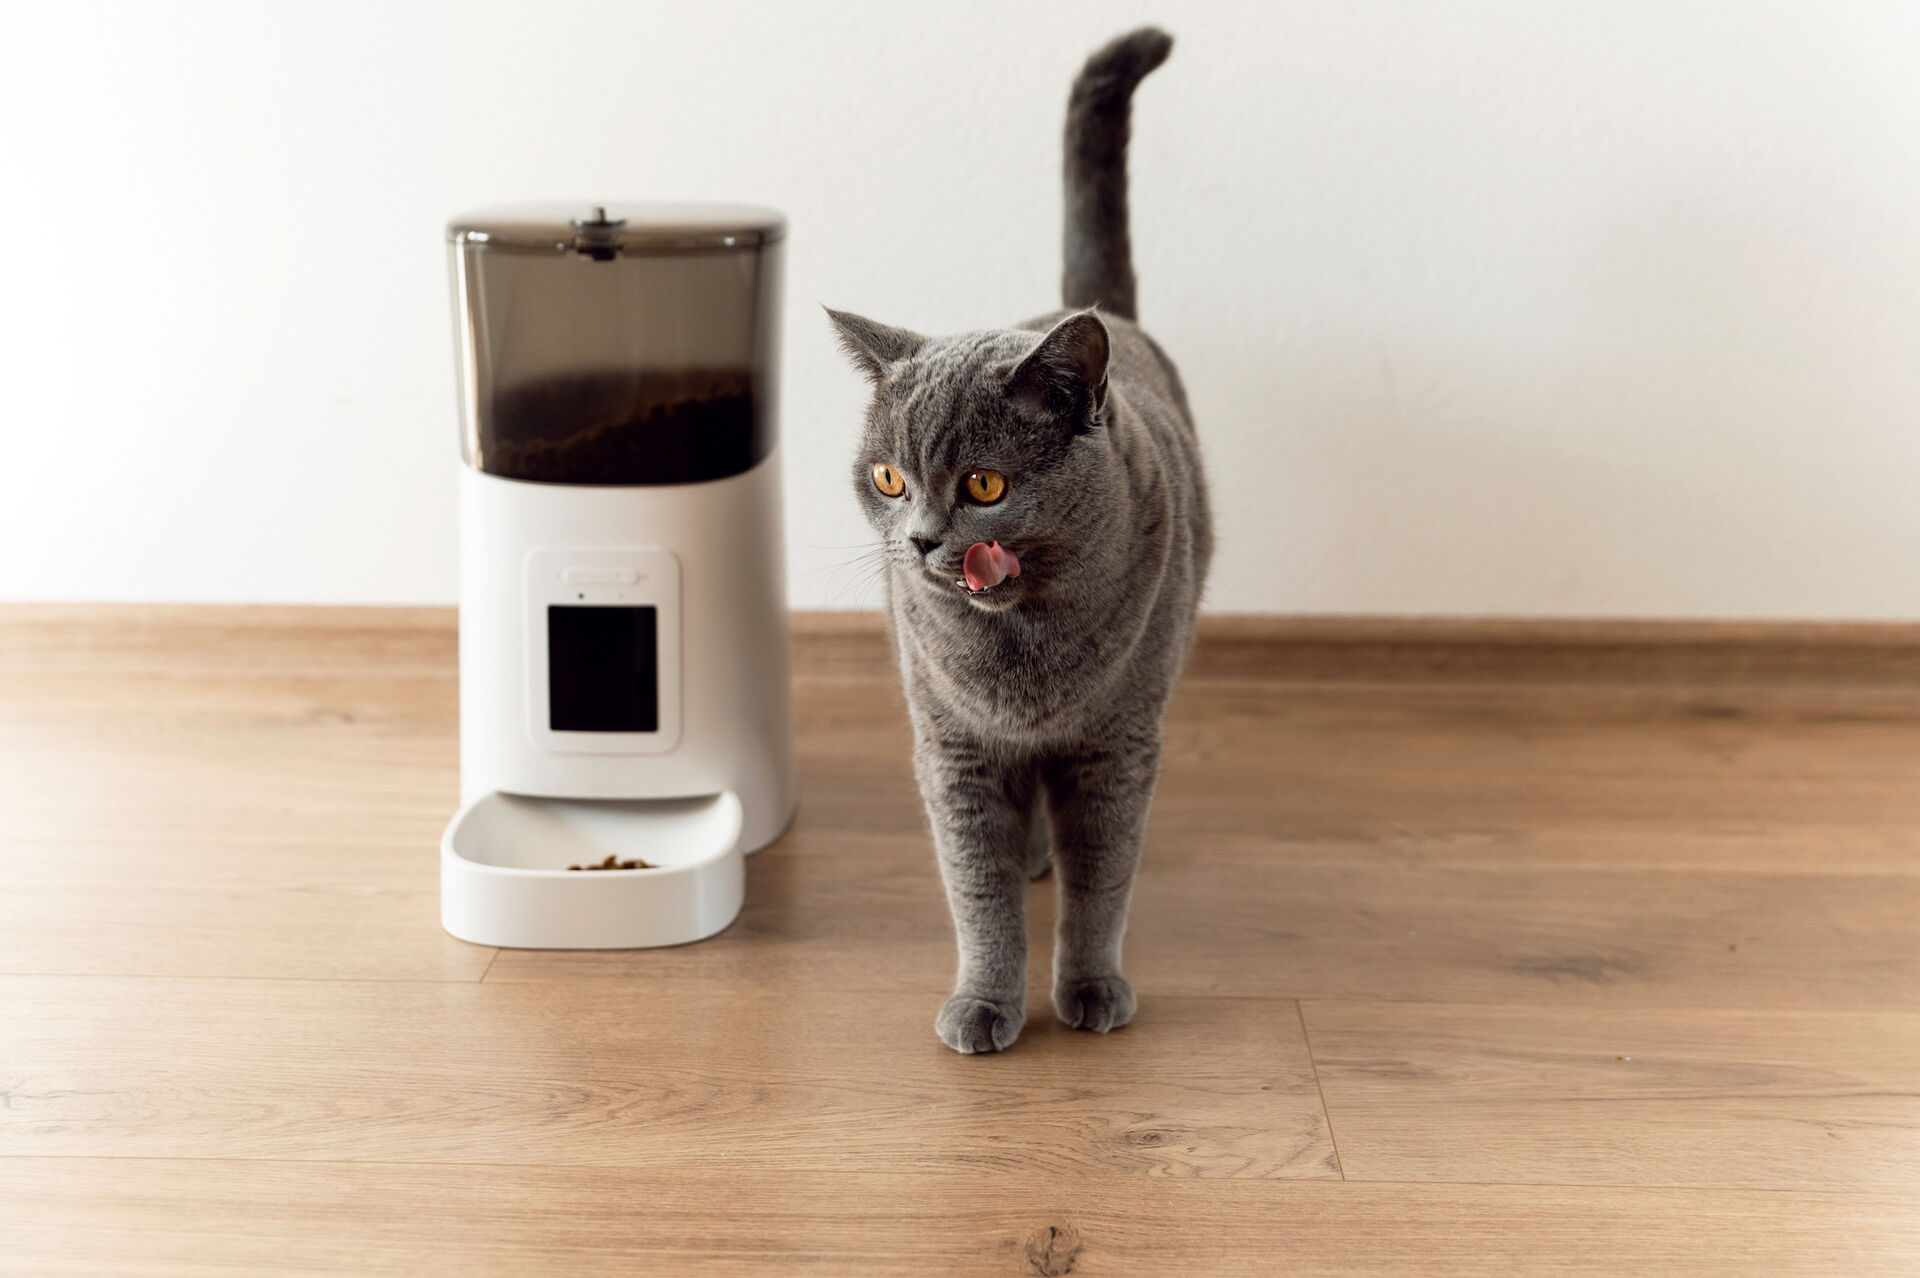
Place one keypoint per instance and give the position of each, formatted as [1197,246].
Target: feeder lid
[639,229]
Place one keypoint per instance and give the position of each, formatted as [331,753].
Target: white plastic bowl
[504,878]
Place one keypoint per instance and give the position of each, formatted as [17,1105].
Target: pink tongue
[988,564]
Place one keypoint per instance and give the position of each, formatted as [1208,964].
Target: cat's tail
[1099,252]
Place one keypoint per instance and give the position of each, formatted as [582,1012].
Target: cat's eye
[986,486]
[888,480]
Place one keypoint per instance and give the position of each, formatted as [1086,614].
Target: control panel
[603,649]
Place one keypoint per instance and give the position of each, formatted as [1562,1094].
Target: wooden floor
[1559,950]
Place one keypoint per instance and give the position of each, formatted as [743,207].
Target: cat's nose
[925,545]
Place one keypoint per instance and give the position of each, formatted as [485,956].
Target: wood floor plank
[175,1218]
[791,1079]
[1490,651]
[1576,937]
[1490,868]
[325,910]
[1460,756]
[253,758]
[219,639]
[1365,844]
[841,911]
[1319,841]
[1665,845]
[1766,1099]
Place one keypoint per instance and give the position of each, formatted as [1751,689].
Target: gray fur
[1098,267]
[1036,704]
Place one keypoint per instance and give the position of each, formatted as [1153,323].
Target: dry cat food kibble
[627,427]
[614,863]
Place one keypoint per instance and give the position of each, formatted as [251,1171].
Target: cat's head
[983,437]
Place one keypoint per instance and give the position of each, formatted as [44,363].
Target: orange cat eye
[986,486]
[888,480]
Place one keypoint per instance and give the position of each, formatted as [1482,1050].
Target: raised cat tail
[1099,252]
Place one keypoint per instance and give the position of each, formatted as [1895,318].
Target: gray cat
[1039,496]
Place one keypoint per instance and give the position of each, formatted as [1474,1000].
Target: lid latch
[596,235]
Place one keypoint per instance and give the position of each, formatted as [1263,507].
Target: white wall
[1485,307]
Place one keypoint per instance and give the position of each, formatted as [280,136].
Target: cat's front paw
[968,1024]
[1100,1004]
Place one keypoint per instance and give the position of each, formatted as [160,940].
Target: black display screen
[603,669]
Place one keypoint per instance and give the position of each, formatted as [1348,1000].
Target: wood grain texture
[1380,842]
[861,917]
[1410,890]
[785,1079]
[1571,652]
[320,910]
[1765,1099]
[181,1217]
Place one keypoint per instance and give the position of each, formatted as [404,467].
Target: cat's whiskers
[857,575]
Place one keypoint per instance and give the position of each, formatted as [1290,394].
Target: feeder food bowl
[505,878]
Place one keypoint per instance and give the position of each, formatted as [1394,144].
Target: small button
[600,576]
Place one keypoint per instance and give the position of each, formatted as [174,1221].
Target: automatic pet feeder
[623,630]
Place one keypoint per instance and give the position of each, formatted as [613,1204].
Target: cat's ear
[873,347]
[1065,379]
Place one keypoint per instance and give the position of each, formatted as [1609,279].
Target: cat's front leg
[979,808]
[1100,802]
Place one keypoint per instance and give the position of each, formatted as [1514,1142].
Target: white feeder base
[504,878]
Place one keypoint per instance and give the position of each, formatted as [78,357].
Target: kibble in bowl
[615,863]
